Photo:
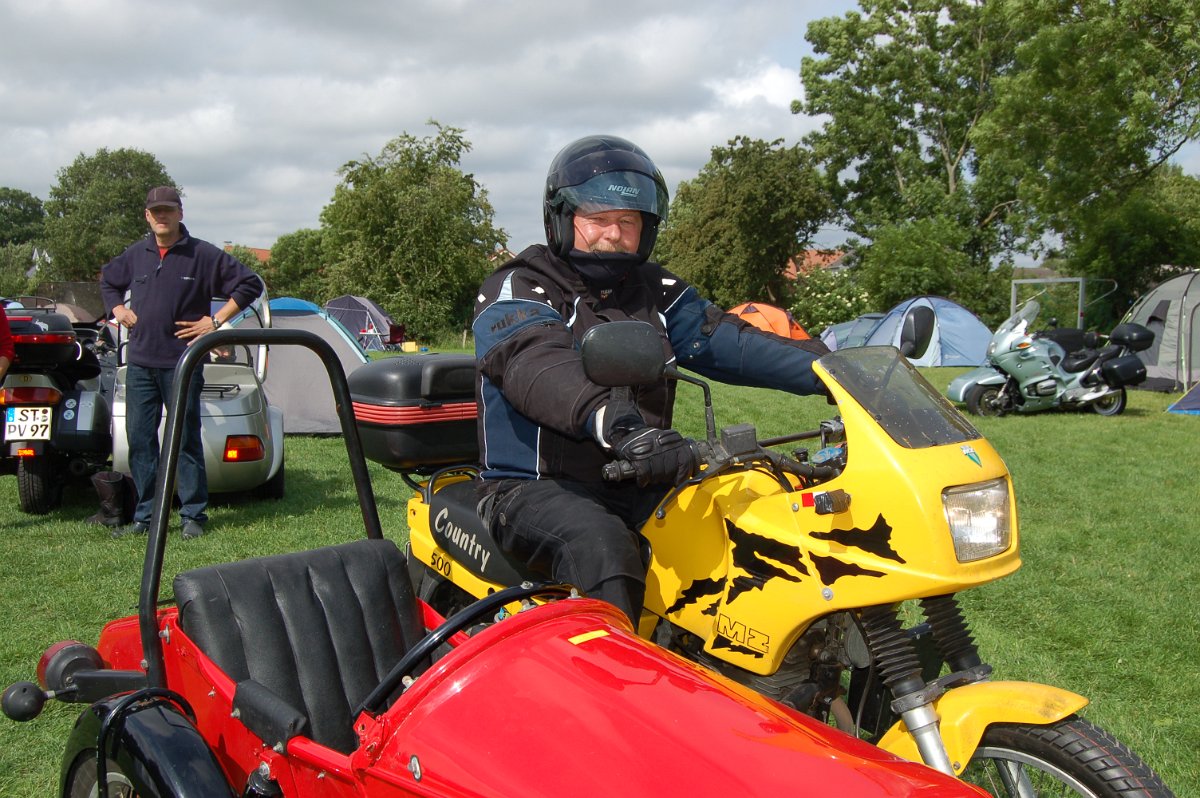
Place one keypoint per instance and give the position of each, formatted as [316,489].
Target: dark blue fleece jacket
[177,287]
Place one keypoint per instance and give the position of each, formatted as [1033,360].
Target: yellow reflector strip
[586,636]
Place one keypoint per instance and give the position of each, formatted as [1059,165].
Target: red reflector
[26,452]
[243,449]
[30,396]
[44,338]
[806,500]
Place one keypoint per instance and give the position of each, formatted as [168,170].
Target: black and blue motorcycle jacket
[536,404]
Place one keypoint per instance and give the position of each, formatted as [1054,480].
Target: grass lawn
[1102,605]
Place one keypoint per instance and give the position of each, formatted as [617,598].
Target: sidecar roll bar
[169,460]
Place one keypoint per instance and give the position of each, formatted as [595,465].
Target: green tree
[1157,225]
[904,84]
[21,216]
[296,266]
[930,256]
[1099,95]
[732,230]
[413,232]
[15,262]
[97,209]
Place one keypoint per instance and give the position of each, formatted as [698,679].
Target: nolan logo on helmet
[628,191]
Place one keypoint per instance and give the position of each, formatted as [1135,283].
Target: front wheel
[1112,404]
[1069,758]
[984,400]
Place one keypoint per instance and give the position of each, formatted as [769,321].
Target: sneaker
[192,529]
[136,528]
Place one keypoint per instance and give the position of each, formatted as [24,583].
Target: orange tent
[770,318]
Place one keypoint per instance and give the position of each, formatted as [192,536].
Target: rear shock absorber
[900,670]
[951,633]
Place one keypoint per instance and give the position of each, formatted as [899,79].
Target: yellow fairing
[967,711]
[747,566]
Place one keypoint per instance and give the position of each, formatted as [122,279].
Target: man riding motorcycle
[545,430]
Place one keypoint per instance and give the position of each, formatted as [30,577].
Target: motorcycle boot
[115,509]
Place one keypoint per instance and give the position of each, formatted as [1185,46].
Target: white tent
[296,380]
[1171,310]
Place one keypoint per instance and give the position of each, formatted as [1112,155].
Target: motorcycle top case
[29,330]
[1134,337]
[416,412]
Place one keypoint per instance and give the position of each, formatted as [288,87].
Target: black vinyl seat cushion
[314,632]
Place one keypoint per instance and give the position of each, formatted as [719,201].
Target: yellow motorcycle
[792,573]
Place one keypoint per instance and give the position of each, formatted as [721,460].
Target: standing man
[545,430]
[169,279]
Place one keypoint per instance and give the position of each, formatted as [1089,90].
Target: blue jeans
[147,390]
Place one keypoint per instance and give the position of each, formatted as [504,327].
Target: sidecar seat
[305,636]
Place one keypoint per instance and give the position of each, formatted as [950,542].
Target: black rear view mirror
[621,353]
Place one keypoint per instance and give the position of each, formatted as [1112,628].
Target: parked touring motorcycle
[785,572]
[1028,371]
[57,406]
[312,674]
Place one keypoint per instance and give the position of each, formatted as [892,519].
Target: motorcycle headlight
[979,519]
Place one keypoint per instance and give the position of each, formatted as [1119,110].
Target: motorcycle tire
[39,485]
[1070,757]
[81,781]
[982,401]
[1111,405]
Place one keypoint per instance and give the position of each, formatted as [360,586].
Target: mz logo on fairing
[464,540]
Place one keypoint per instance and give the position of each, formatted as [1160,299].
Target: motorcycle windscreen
[914,414]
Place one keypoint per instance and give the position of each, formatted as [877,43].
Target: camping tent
[770,318]
[1172,311]
[850,333]
[1189,403]
[292,383]
[954,336]
[363,317]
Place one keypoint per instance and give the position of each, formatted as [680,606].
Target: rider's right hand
[658,456]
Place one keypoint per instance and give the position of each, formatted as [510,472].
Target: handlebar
[715,459]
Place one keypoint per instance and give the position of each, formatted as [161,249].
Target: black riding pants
[579,533]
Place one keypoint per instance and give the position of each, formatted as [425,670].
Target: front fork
[900,669]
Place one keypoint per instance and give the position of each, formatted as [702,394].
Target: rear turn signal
[30,396]
[243,449]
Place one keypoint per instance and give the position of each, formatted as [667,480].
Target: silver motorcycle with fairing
[1029,371]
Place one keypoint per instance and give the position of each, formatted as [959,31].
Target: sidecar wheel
[984,400]
[39,485]
[1111,405]
[81,783]
[1070,757]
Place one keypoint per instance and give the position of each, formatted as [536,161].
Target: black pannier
[1125,370]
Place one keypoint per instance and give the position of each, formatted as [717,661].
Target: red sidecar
[319,673]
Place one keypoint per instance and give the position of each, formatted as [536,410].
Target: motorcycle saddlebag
[1125,370]
[416,412]
[83,422]
[1134,337]
[41,339]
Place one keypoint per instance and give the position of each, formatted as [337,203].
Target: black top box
[1134,336]
[41,338]
[416,413]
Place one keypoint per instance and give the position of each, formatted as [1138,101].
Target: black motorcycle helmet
[602,173]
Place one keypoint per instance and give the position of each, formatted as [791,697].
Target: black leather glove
[658,456]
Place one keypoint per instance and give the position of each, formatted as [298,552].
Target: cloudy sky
[253,107]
